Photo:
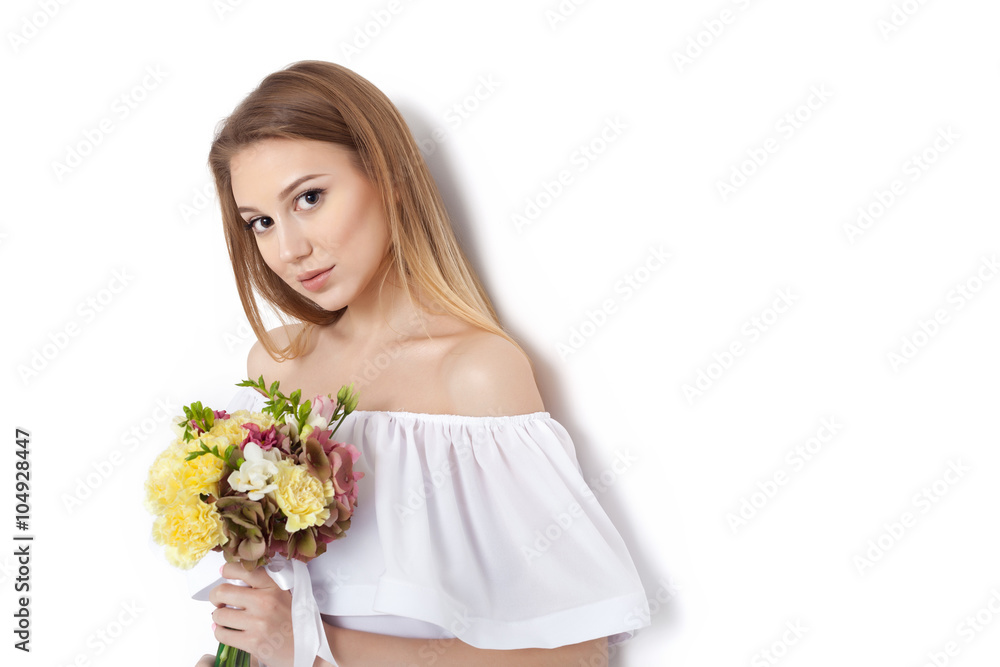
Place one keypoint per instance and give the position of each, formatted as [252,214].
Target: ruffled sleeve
[489,530]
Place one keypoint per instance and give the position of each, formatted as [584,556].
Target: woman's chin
[330,305]
[327,301]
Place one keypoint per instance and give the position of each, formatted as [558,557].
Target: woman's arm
[353,648]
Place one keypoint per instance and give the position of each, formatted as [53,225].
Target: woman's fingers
[206,661]
[230,594]
[230,618]
[236,595]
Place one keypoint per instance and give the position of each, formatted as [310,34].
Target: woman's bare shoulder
[260,362]
[487,375]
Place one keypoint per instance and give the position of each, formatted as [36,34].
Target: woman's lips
[316,282]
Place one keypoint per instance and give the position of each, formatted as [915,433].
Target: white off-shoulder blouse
[480,528]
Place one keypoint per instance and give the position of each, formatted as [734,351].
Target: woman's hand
[262,623]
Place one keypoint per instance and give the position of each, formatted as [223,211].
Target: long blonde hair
[324,101]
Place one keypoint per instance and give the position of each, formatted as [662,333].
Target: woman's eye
[264,220]
[309,198]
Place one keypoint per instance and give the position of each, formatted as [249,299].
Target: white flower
[317,421]
[254,476]
[312,424]
[292,422]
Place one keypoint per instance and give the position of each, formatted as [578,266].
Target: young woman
[476,540]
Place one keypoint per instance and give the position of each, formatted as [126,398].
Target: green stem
[339,422]
[227,656]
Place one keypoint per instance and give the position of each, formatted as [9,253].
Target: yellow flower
[202,473]
[231,428]
[172,479]
[188,530]
[301,497]
[163,484]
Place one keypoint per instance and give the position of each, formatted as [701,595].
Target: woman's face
[317,220]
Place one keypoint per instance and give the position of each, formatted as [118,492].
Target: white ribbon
[307,626]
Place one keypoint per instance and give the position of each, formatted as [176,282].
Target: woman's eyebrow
[284,193]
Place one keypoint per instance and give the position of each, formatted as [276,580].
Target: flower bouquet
[254,485]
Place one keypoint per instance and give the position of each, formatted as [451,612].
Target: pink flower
[263,439]
[321,411]
[323,437]
[342,460]
[218,414]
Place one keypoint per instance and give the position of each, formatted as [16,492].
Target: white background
[721,591]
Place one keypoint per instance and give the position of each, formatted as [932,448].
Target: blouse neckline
[456,419]
[446,418]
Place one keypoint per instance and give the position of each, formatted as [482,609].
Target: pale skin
[335,219]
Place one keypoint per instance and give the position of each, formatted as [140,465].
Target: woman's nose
[293,244]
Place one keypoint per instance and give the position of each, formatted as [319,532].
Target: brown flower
[247,524]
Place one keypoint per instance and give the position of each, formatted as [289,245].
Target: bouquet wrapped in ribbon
[259,487]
